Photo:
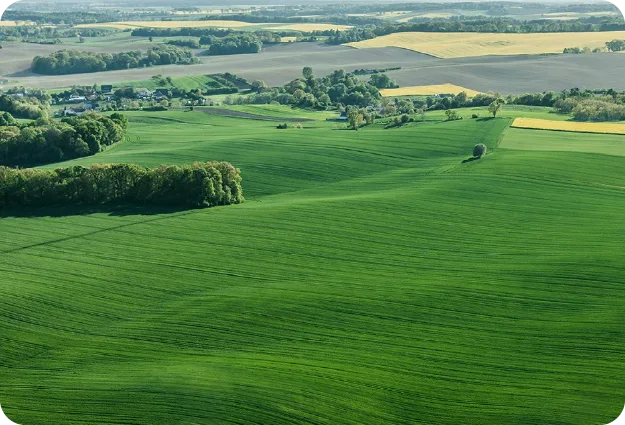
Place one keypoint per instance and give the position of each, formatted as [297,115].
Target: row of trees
[198,185]
[51,141]
[490,25]
[75,61]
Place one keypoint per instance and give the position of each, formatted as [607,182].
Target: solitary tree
[307,72]
[355,118]
[452,115]
[496,106]
[479,150]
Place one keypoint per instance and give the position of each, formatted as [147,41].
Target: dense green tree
[479,150]
[51,141]
[197,185]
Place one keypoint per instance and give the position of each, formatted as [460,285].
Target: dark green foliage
[282,126]
[615,45]
[55,141]
[235,44]
[198,185]
[75,61]
[191,44]
[366,71]
[29,108]
[6,119]
[339,87]
[479,150]
[382,81]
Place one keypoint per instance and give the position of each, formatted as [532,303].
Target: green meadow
[371,277]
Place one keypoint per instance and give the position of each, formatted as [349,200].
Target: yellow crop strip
[457,45]
[428,90]
[579,127]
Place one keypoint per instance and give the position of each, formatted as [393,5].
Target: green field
[371,277]
[545,140]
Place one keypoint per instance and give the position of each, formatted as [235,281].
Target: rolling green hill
[371,277]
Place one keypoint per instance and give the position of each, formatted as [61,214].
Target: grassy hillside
[371,277]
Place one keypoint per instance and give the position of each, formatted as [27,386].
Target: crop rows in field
[371,277]
[458,45]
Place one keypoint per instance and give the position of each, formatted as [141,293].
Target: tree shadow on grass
[475,158]
[81,210]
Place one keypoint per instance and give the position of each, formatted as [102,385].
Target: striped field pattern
[371,277]
[581,127]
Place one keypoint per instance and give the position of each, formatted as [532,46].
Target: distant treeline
[49,35]
[69,18]
[198,185]
[208,35]
[43,143]
[263,17]
[75,61]
[489,25]
[220,41]
[27,108]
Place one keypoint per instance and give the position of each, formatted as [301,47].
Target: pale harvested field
[457,45]
[308,27]
[15,23]
[430,90]
[167,24]
[288,39]
[578,127]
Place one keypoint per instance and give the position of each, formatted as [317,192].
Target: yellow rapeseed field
[167,24]
[457,45]
[308,27]
[428,90]
[579,127]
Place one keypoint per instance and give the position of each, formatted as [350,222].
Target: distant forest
[76,62]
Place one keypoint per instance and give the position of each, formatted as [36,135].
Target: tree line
[46,142]
[488,25]
[75,61]
[202,184]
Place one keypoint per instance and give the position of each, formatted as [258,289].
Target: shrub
[405,119]
[452,115]
[475,116]
[479,150]
[282,126]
